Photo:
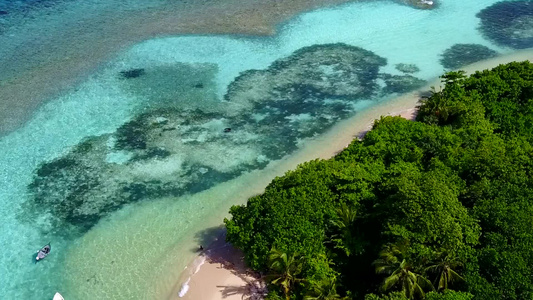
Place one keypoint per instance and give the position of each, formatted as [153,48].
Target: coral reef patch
[133,73]
[508,23]
[160,153]
[175,147]
[407,68]
[336,71]
[307,92]
[460,55]
[401,83]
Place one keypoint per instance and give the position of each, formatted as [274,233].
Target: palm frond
[454,276]
[385,269]
[424,283]
[432,269]
[443,282]
[417,290]
[390,281]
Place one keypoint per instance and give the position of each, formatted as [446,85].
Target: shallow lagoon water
[137,249]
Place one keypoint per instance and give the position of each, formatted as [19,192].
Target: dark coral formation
[326,71]
[160,153]
[508,23]
[407,68]
[460,55]
[401,83]
[131,136]
[173,147]
[133,73]
[304,94]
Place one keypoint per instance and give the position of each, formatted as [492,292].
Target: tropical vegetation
[439,208]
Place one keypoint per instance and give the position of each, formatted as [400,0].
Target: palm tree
[346,217]
[392,262]
[284,269]
[437,109]
[453,77]
[324,290]
[345,240]
[443,267]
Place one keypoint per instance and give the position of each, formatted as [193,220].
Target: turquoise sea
[131,167]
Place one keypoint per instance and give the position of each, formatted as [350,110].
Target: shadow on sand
[225,256]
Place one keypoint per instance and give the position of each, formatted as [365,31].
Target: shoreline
[219,272]
[223,266]
[212,279]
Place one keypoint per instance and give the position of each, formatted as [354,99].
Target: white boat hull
[58,296]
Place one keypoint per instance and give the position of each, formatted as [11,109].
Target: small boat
[43,252]
[58,296]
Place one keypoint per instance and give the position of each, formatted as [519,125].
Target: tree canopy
[445,200]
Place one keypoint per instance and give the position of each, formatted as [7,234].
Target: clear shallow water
[130,232]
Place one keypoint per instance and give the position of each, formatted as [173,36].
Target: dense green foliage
[440,208]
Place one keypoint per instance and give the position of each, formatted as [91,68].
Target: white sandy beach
[223,274]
